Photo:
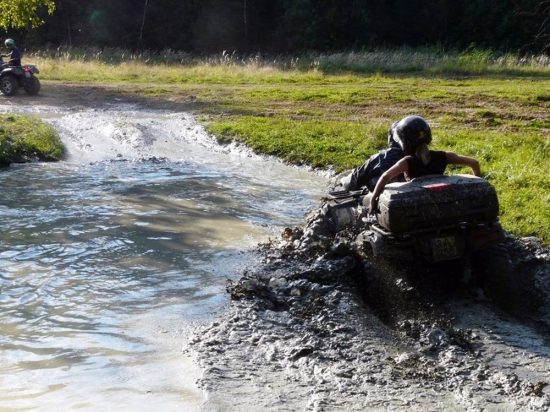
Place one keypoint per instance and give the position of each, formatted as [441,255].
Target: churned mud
[310,328]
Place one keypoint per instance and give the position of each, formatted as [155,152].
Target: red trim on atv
[439,186]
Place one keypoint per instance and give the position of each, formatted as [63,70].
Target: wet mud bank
[309,328]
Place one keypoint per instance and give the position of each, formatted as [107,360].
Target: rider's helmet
[10,44]
[410,132]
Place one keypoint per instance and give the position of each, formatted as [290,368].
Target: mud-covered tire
[32,87]
[498,278]
[9,85]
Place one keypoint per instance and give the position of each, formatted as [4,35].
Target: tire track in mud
[303,334]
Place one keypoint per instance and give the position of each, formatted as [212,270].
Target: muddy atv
[432,219]
[12,78]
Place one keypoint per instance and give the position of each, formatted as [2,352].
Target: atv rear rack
[346,194]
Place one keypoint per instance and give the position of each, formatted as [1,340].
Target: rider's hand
[373,206]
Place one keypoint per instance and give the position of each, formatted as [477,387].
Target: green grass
[112,65]
[334,110]
[317,143]
[23,138]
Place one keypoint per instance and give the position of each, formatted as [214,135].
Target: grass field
[333,111]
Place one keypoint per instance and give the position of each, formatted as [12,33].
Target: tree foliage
[23,13]
[281,26]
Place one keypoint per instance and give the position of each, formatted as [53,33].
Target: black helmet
[410,132]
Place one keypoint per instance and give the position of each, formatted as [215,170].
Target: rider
[14,54]
[369,173]
[413,134]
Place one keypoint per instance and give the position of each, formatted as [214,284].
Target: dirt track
[83,96]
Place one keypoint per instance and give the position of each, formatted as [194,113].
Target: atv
[432,221]
[434,218]
[14,77]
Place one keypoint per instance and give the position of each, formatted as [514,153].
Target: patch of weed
[23,137]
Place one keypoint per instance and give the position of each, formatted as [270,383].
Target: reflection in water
[104,267]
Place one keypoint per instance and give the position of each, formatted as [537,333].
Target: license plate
[27,75]
[444,248]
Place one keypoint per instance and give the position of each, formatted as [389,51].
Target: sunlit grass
[317,143]
[23,137]
[119,65]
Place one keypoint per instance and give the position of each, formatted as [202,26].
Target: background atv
[433,219]
[14,77]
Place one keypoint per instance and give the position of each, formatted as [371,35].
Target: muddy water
[109,258]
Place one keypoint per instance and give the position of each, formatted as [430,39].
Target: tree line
[279,26]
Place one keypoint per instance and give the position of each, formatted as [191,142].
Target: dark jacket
[15,57]
[368,174]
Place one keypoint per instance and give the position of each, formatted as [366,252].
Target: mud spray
[316,326]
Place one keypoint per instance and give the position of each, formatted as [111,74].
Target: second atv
[12,78]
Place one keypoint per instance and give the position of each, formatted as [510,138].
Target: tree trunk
[245,26]
[142,26]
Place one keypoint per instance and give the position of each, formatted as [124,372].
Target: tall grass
[429,60]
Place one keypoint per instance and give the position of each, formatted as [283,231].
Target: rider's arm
[456,159]
[399,168]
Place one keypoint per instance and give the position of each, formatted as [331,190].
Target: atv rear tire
[32,87]
[9,85]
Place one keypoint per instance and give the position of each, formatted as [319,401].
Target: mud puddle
[301,334]
[109,258]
